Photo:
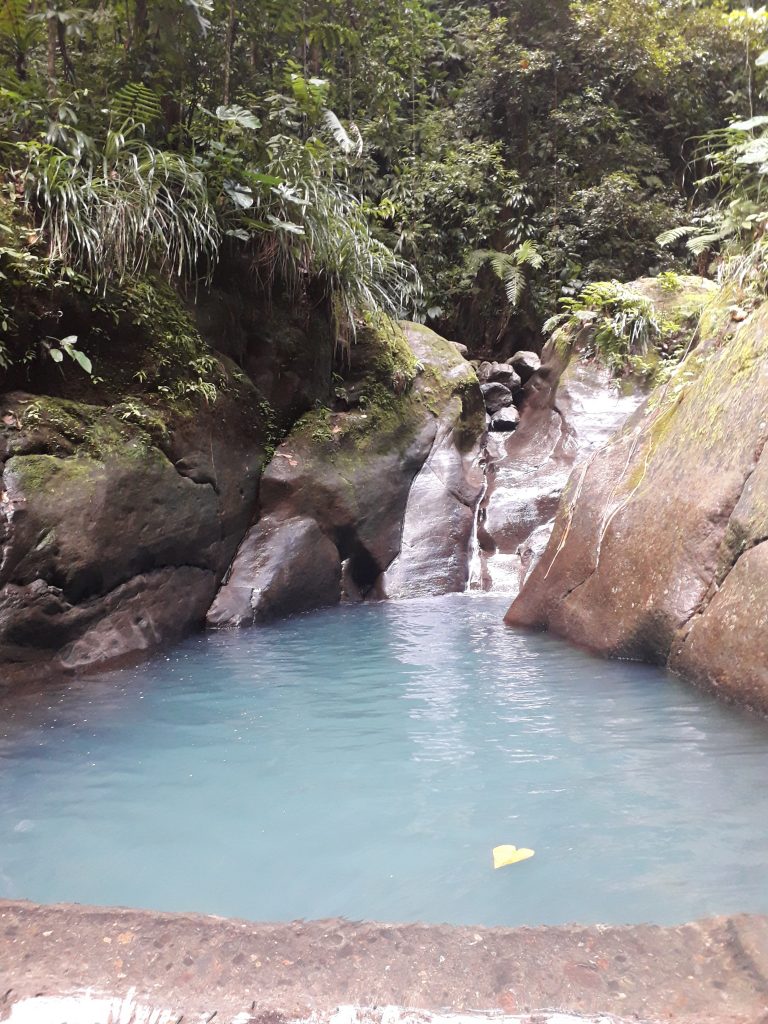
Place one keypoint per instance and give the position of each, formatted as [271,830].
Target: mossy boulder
[124,502]
[657,549]
[350,476]
[118,522]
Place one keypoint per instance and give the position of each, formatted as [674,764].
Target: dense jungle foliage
[467,163]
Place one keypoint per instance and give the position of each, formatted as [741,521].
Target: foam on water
[364,762]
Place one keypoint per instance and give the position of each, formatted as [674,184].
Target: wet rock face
[658,552]
[283,567]
[115,533]
[500,386]
[385,491]
[505,420]
[569,408]
[499,373]
[566,413]
[434,540]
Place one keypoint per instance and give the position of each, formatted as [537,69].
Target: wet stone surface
[185,964]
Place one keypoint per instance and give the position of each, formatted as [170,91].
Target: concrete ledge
[713,971]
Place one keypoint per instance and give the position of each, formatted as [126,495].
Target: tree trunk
[230,45]
[140,19]
[52,41]
[61,34]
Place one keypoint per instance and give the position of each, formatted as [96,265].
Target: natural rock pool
[364,761]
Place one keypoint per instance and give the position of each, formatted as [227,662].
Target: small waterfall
[526,470]
[475,566]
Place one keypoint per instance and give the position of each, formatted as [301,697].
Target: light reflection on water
[364,761]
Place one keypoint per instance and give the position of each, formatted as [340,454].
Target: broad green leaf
[82,359]
[241,195]
[239,115]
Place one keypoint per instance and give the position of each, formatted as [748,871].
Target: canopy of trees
[464,162]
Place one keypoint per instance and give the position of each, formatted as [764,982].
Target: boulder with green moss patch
[350,483]
[116,524]
[657,552]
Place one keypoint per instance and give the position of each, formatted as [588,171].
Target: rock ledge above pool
[709,972]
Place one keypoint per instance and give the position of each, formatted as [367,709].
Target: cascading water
[526,472]
[475,562]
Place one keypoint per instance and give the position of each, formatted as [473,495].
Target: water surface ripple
[364,761]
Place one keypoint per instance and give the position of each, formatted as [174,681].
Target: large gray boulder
[390,481]
[658,551]
[115,525]
[283,567]
[438,519]
[525,364]
[496,396]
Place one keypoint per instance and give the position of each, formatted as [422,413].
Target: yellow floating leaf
[504,855]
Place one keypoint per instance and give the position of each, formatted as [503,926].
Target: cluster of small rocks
[501,384]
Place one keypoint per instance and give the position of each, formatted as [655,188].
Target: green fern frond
[701,243]
[476,260]
[514,285]
[667,238]
[528,254]
[13,18]
[502,264]
[507,267]
[136,102]
[551,325]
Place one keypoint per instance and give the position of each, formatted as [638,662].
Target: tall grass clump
[115,208]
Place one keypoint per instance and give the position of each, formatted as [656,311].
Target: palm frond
[349,142]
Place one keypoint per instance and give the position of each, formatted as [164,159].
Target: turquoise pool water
[365,761]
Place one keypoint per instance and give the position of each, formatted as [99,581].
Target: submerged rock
[391,484]
[659,550]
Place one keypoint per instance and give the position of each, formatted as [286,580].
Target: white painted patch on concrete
[88,1008]
[400,1015]
[97,1008]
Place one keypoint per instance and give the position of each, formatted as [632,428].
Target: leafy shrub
[617,326]
[309,226]
[732,230]
[509,267]
[112,209]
